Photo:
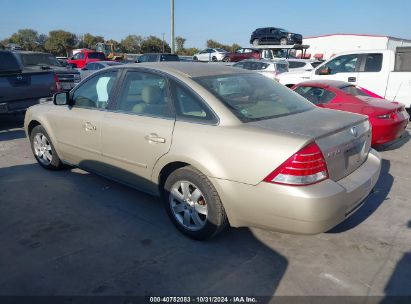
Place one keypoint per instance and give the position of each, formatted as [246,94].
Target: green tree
[132,44]
[234,47]
[42,39]
[153,44]
[89,41]
[4,43]
[116,45]
[41,42]
[215,45]
[180,44]
[189,52]
[80,41]
[26,38]
[60,42]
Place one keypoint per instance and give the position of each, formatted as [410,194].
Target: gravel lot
[75,233]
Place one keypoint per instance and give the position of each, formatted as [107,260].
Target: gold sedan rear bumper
[302,210]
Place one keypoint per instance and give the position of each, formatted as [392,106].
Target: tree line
[60,43]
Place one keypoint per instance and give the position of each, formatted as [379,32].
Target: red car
[241,54]
[388,119]
[80,59]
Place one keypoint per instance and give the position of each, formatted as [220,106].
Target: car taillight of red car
[390,115]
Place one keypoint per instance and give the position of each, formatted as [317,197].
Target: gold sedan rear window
[254,97]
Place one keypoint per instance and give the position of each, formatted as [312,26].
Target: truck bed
[21,88]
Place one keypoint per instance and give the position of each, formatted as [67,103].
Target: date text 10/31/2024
[240,299]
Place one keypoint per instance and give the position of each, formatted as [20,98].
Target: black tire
[216,220]
[283,41]
[226,59]
[256,42]
[214,59]
[55,163]
[195,58]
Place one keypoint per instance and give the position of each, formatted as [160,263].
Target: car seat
[153,101]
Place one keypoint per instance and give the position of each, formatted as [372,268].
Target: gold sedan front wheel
[43,149]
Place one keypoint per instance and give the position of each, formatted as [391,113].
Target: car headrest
[152,95]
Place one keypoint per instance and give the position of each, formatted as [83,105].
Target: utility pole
[172,26]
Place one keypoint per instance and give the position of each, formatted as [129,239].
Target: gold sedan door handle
[154,138]
[88,126]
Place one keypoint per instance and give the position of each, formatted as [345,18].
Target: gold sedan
[220,145]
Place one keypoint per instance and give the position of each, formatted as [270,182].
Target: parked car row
[158,57]
[42,74]
[268,35]
[252,53]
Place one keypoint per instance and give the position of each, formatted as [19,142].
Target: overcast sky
[226,21]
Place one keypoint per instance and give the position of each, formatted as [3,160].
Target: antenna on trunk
[396,94]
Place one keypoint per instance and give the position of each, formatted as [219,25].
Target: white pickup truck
[383,72]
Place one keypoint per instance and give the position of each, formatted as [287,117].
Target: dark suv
[273,35]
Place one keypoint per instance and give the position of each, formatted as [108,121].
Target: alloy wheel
[42,149]
[188,205]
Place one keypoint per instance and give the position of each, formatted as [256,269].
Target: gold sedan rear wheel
[193,204]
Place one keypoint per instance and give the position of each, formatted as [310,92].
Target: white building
[329,45]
